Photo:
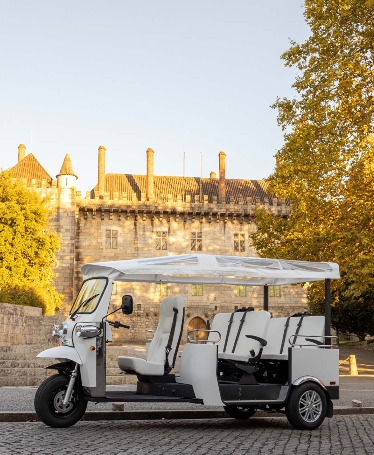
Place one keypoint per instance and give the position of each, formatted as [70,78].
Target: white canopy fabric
[213,269]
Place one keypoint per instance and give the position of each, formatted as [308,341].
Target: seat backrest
[238,346]
[156,351]
[312,327]
[278,330]
[274,338]
[220,324]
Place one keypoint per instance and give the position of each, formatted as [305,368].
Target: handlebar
[117,324]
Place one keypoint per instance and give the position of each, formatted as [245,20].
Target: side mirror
[127,304]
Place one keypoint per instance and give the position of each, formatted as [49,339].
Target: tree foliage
[355,316]
[325,168]
[27,247]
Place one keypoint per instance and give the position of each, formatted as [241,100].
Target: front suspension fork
[69,390]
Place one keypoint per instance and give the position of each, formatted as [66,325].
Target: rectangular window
[161,240]
[196,241]
[275,291]
[239,242]
[197,290]
[240,291]
[111,238]
[161,289]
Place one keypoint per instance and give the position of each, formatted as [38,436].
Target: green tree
[27,247]
[355,316]
[325,167]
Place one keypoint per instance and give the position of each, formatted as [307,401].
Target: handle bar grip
[117,324]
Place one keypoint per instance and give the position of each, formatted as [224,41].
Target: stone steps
[19,365]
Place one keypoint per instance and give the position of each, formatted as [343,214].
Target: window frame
[111,240]
[239,242]
[161,240]
[196,241]
[240,290]
[197,290]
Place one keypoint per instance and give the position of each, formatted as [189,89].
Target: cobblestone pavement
[343,435]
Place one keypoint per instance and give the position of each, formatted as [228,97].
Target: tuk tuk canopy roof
[213,269]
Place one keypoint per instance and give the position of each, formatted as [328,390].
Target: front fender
[62,352]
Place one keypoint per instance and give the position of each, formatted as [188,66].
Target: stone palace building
[127,216]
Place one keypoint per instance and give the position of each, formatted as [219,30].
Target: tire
[307,406]
[48,402]
[240,412]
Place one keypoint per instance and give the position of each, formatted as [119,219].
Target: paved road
[341,435]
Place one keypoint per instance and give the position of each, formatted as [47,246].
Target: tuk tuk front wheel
[240,412]
[49,402]
[306,408]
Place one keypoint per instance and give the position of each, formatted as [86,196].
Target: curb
[163,415]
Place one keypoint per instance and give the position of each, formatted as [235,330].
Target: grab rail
[192,340]
[317,343]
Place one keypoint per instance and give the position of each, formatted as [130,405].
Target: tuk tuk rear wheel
[306,408]
[240,412]
[49,402]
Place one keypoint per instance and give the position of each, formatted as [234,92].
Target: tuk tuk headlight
[87,331]
[57,330]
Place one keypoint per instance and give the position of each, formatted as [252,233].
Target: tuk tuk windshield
[89,296]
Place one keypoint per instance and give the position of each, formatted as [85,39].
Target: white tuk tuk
[248,361]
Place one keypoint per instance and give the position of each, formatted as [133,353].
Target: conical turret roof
[67,167]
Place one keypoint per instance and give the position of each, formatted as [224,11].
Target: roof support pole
[266,298]
[328,310]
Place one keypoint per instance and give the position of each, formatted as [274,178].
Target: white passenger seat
[163,348]
[243,334]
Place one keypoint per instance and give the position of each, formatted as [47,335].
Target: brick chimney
[222,178]
[150,174]
[21,152]
[101,171]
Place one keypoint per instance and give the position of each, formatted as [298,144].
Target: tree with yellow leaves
[27,248]
[325,167]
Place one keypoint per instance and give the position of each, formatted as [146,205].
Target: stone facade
[128,216]
[24,325]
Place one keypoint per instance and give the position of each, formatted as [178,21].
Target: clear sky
[184,77]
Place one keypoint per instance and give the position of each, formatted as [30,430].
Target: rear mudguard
[62,352]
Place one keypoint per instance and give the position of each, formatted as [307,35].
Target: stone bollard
[353,366]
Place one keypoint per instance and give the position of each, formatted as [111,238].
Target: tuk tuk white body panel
[61,352]
[198,368]
[317,362]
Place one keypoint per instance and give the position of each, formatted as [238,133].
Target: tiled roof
[67,167]
[165,185]
[30,169]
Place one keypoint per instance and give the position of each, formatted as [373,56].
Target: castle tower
[66,178]
[64,223]
[21,152]
[101,171]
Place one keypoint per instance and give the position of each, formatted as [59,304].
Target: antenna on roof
[31,140]
[201,176]
[184,164]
